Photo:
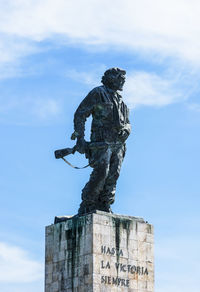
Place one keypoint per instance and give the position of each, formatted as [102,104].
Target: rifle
[60,153]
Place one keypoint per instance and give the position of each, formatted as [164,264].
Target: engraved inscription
[111,251]
[128,269]
[114,281]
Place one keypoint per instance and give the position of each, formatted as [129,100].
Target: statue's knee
[102,172]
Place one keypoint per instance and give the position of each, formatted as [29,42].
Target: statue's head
[114,78]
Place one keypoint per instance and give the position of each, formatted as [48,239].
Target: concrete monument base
[99,252]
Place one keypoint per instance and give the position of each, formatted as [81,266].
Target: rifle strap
[76,167]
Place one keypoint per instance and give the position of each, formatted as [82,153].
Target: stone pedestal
[99,252]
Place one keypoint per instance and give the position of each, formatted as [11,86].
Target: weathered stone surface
[99,252]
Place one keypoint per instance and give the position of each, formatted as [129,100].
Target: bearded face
[118,82]
[114,79]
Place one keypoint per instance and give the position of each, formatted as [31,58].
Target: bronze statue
[106,150]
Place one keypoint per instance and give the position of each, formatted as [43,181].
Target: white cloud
[168,27]
[194,107]
[88,78]
[12,47]
[16,266]
[45,108]
[145,88]
[152,28]
[25,110]
[149,89]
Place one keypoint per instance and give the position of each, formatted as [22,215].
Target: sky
[52,53]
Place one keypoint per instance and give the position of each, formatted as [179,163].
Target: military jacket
[110,115]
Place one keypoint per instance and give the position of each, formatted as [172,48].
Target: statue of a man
[109,131]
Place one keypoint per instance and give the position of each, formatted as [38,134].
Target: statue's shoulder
[95,95]
[97,90]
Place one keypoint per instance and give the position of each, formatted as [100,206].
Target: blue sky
[51,54]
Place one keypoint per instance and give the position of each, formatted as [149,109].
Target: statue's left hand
[81,145]
[74,135]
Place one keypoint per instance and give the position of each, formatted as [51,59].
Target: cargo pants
[99,192]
